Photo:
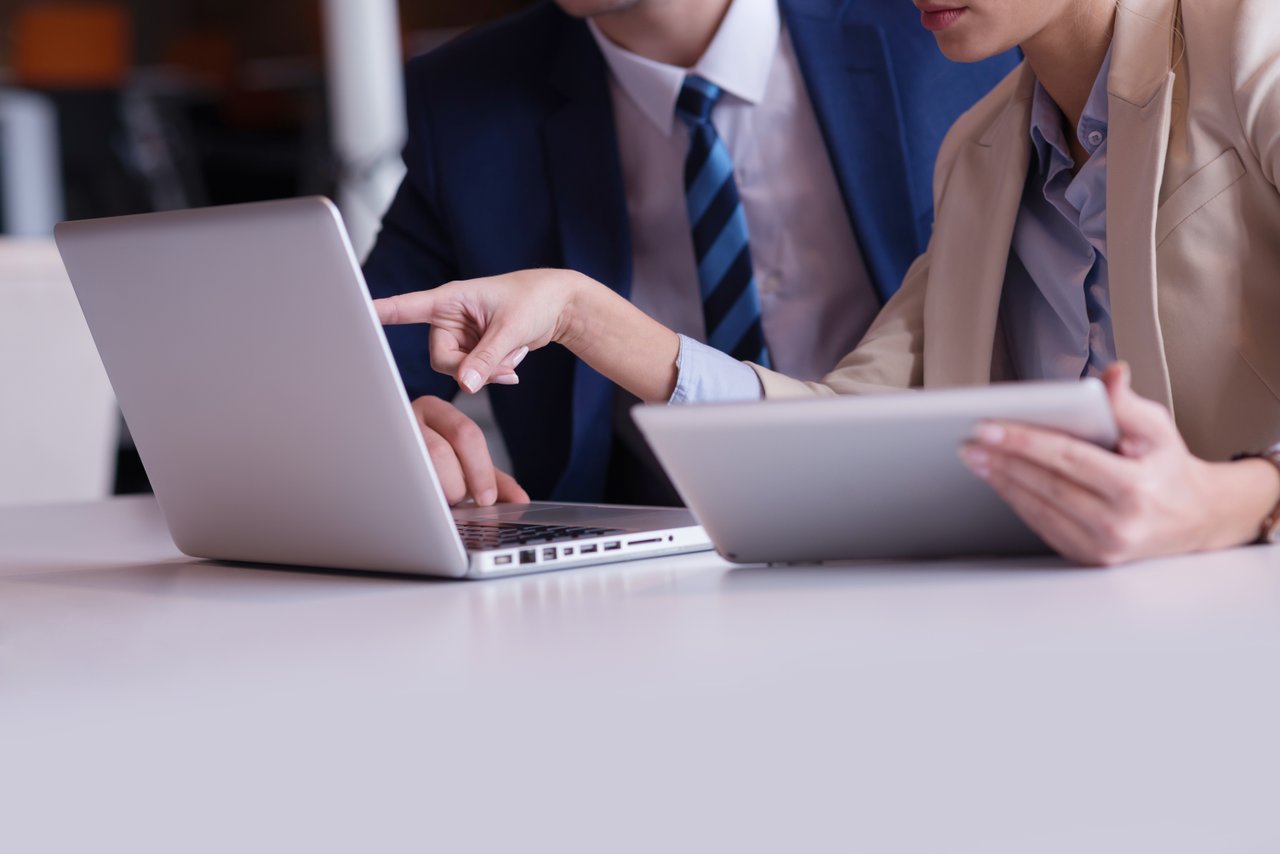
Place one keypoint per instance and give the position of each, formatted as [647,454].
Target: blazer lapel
[585,179]
[848,75]
[1141,88]
[963,306]
[584,170]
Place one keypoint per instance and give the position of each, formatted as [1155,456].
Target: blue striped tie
[730,300]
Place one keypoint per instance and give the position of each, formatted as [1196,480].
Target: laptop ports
[502,560]
[612,547]
[549,553]
[528,556]
[589,550]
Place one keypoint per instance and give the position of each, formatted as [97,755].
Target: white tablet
[844,478]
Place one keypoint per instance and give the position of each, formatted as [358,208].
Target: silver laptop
[259,388]
[858,477]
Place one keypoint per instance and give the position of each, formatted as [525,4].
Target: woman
[1113,199]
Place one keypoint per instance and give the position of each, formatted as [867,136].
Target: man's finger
[446,464]
[470,449]
[509,491]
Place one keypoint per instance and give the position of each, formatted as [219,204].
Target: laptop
[871,477]
[266,407]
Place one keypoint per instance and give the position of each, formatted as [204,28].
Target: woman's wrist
[612,336]
[578,298]
[1245,493]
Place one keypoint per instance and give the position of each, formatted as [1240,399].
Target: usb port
[589,550]
[568,551]
[502,560]
[612,547]
[549,554]
[528,555]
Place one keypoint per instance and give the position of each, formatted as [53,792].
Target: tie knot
[697,99]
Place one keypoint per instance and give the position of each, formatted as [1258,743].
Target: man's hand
[1151,497]
[461,456]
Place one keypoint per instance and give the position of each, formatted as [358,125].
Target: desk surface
[153,703]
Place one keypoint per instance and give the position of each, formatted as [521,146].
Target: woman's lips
[936,18]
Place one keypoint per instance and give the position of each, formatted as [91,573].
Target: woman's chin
[959,49]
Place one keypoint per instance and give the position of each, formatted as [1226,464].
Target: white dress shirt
[816,294]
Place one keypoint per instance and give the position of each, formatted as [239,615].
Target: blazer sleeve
[889,358]
[414,250]
[1256,81]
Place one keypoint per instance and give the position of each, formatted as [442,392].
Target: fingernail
[523,351]
[487,497]
[507,379]
[471,380]
[989,434]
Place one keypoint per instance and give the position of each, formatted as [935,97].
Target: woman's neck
[1067,54]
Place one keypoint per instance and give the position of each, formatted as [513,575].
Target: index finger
[417,307]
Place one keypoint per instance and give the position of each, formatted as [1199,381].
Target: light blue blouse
[1056,304]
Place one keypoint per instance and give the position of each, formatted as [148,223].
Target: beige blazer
[1193,230]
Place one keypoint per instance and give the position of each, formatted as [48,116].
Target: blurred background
[111,108]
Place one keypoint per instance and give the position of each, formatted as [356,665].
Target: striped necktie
[730,299]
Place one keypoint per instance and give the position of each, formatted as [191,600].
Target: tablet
[872,476]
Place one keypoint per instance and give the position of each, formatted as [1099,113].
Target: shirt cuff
[707,375]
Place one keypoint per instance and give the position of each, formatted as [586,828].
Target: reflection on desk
[678,704]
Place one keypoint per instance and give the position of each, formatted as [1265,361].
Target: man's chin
[594,8]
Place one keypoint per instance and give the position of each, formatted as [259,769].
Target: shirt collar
[737,60]
[1048,136]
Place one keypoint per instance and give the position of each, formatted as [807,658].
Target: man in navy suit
[576,135]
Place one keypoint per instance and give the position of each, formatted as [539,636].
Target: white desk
[152,703]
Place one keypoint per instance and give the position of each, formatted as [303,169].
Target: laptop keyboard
[484,536]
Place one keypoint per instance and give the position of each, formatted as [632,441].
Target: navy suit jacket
[513,163]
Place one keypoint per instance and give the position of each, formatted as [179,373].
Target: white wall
[30,174]
[58,418]
[366,104]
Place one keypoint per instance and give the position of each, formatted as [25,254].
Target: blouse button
[1095,138]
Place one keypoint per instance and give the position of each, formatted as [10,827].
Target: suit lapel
[1141,90]
[585,180]
[971,243]
[584,170]
[850,82]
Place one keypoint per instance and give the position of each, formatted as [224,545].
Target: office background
[111,108]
